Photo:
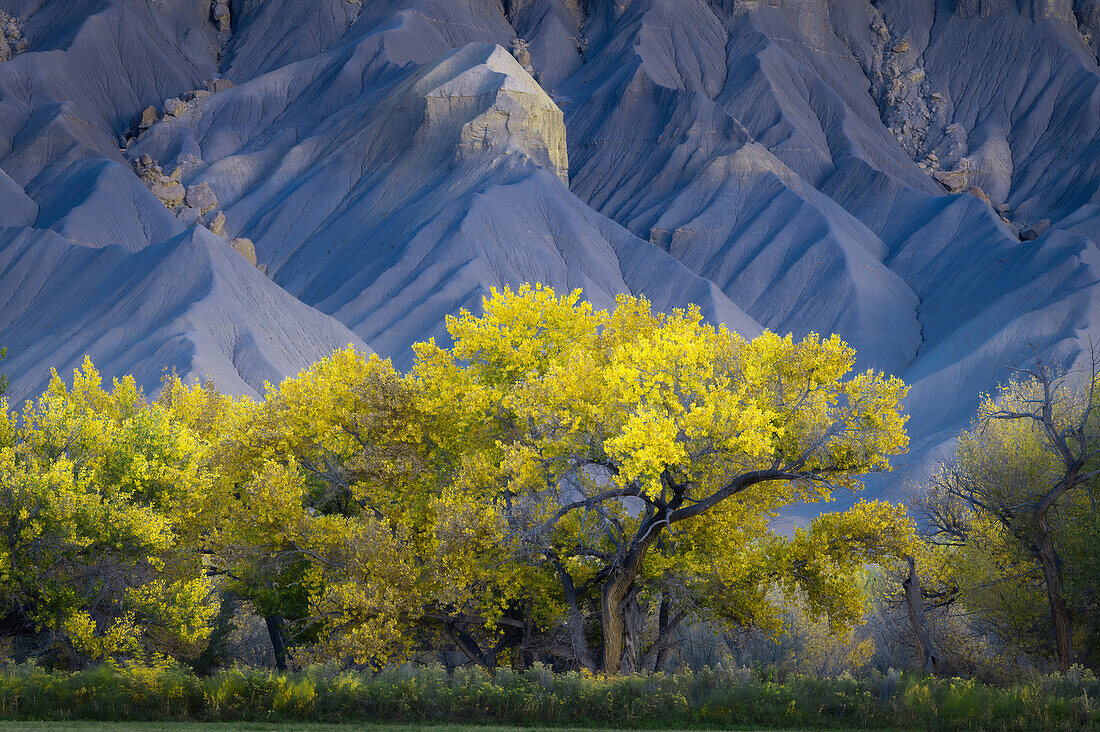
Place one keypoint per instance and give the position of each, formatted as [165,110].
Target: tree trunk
[1052,576]
[633,626]
[663,630]
[614,624]
[468,646]
[575,621]
[657,655]
[217,650]
[278,644]
[914,601]
[616,591]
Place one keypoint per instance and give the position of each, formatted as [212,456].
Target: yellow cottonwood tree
[628,448]
[96,490]
[332,520]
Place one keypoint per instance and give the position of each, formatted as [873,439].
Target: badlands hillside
[234,188]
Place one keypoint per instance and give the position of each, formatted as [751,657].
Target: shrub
[709,698]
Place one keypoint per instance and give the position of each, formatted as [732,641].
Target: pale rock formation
[149,117]
[217,225]
[189,216]
[166,188]
[776,161]
[174,107]
[957,179]
[169,192]
[244,246]
[522,53]
[981,195]
[12,41]
[202,197]
[222,18]
[1061,10]
[498,104]
[219,85]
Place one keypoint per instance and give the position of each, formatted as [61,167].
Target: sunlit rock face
[235,188]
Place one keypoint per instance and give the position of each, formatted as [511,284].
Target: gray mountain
[233,188]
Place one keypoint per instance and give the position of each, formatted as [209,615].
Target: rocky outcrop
[909,107]
[174,107]
[865,168]
[957,179]
[483,94]
[522,53]
[1052,10]
[187,103]
[220,13]
[200,196]
[170,193]
[166,188]
[148,117]
[192,205]
[219,85]
[217,225]
[245,248]
[1087,13]
[12,42]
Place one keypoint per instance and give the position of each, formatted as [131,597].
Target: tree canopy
[559,483]
[644,455]
[1012,520]
[97,490]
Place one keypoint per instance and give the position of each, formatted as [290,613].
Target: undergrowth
[710,698]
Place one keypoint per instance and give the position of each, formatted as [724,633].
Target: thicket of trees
[585,489]
[1012,531]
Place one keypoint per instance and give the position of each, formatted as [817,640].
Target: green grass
[299,727]
[430,698]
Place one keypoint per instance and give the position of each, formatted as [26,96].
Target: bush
[710,698]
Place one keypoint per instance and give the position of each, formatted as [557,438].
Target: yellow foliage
[94,487]
[550,442]
[544,403]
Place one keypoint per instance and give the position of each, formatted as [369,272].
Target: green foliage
[3,378]
[1028,471]
[710,698]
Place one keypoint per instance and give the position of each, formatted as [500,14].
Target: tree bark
[278,643]
[468,646]
[575,621]
[663,629]
[657,656]
[614,625]
[633,622]
[617,589]
[1052,576]
[914,601]
[217,650]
